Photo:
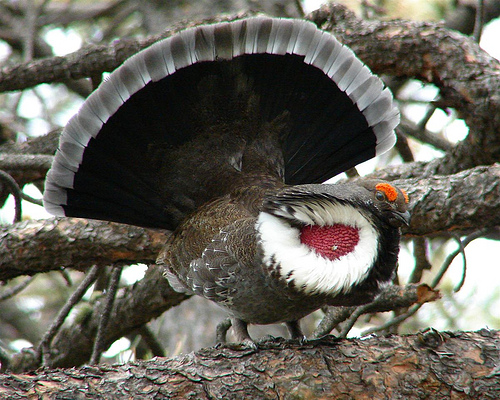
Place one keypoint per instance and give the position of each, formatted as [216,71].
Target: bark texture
[428,365]
[456,193]
[30,247]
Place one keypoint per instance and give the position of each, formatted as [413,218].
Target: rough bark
[32,246]
[428,365]
[468,200]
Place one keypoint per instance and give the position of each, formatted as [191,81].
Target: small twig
[427,116]
[358,312]
[30,15]
[461,248]
[331,320]
[11,292]
[392,297]
[479,21]
[67,277]
[421,260]
[30,199]
[449,259]
[16,191]
[44,345]
[409,128]
[403,147]
[397,320]
[108,307]
[152,341]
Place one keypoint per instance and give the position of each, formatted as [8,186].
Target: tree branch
[135,306]
[430,364]
[34,246]
[455,203]
[392,298]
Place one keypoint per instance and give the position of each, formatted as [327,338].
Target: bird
[225,134]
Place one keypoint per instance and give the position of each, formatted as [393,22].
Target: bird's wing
[228,258]
[185,120]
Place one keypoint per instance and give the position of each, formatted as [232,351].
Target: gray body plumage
[202,134]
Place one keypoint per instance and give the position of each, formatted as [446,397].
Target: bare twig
[391,298]
[421,261]
[108,307]
[44,345]
[394,321]
[16,289]
[449,259]
[358,312]
[461,248]
[67,277]
[479,21]
[418,132]
[403,147]
[152,341]
[16,191]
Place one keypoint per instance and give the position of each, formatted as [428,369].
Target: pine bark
[428,365]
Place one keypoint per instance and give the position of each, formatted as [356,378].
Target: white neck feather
[309,271]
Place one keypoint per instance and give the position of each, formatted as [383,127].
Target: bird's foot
[243,339]
[296,332]
[221,331]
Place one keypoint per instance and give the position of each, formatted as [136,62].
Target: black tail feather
[178,138]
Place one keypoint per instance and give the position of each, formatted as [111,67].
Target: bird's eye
[379,195]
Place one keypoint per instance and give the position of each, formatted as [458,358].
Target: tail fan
[161,135]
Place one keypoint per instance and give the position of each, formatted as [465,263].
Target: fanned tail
[167,131]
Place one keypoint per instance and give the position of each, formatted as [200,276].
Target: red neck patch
[331,242]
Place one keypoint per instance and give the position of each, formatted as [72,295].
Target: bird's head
[388,203]
[325,239]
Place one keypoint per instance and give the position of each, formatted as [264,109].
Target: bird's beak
[399,219]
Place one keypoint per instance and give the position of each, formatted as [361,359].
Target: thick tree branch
[460,203]
[34,246]
[431,364]
[13,162]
